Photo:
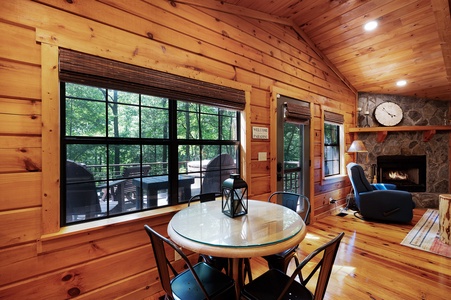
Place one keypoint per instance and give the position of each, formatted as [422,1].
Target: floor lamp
[356,147]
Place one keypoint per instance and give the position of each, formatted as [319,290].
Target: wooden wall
[112,259]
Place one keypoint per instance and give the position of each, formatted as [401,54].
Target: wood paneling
[412,42]
[113,258]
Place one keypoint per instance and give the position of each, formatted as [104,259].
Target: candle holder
[234,196]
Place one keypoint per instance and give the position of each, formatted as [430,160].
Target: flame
[397,175]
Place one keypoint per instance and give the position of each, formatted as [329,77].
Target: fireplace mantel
[428,131]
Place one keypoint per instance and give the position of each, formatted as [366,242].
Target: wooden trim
[50,139]
[245,137]
[333,115]
[273,146]
[382,132]
[273,137]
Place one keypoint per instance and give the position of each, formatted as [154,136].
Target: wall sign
[260,133]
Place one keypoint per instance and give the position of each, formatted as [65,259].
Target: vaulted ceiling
[412,41]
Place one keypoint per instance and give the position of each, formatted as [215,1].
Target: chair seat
[282,259]
[217,284]
[270,286]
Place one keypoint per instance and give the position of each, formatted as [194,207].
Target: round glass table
[266,229]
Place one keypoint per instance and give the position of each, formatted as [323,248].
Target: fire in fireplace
[408,172]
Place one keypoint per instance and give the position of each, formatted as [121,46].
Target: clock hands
[390,114]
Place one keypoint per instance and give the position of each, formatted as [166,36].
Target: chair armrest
[383,186]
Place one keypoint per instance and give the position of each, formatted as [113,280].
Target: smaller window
[333,144]
[332,147]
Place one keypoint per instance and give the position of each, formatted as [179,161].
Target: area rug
[424,235]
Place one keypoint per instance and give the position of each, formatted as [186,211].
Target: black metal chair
[274,284]
[200,281]
[220,263]
[301,205]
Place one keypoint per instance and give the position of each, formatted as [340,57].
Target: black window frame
[172,142]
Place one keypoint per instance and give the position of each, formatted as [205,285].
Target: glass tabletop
[265,223]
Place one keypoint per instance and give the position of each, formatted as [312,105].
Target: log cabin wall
[112,259]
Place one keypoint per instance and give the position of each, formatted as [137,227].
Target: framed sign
[260,133]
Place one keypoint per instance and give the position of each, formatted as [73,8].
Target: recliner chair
[380,202]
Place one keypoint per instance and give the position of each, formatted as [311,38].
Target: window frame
[332,116]
[171,141]
[50,204]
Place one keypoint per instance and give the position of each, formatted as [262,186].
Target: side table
[444,210]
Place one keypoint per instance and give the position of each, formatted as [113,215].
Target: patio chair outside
[81,193]
[218,170]
[123,190]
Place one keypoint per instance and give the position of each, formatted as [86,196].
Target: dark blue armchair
[380,202]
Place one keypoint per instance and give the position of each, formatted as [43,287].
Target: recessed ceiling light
[370,25]
[401,83]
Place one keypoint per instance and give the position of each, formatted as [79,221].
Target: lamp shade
[357,146]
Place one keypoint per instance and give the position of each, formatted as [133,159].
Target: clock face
[388,114]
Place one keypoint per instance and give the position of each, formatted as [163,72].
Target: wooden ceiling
[412,42]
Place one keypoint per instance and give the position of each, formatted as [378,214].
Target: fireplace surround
[407,172]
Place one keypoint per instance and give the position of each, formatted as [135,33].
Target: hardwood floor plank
[371,262]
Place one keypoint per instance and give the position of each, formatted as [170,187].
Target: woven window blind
[91,70]
[333,117]
[295,113]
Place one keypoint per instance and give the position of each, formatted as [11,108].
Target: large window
[125,151]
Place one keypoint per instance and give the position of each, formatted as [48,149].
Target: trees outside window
[125,152]
[332,155]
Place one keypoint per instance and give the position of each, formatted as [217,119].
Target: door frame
[302,95]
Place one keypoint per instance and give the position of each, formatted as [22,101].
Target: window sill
[335,178]
[86,231]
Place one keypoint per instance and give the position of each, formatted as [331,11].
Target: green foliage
[142,120]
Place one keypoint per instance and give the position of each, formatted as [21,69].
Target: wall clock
[388,114]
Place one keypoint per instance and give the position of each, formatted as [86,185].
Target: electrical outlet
[262,156]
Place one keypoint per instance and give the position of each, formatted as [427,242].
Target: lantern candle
[234,196]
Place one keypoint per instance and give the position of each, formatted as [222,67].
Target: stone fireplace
[417,112]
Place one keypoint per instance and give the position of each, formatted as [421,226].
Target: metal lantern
[234,196]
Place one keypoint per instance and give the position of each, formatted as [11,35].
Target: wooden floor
[372,264]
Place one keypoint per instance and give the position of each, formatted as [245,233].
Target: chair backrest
[218,170]
[158,241]
[133,172]
[359,182]
[81,191]
[203,197]
[296,202]
[324,266]
[358,179]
